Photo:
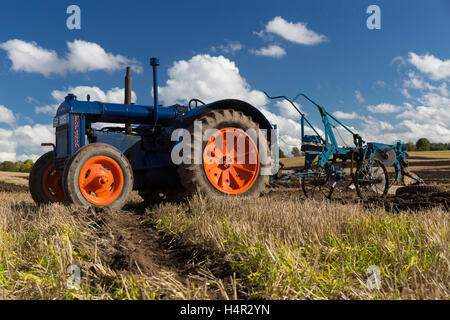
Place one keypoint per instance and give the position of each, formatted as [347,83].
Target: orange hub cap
[101,180]
[51,184]
[231,161]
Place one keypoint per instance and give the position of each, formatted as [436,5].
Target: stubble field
[278,246]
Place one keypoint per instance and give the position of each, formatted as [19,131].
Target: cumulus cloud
[82,56]
[24,142]
[384,108]
[287,110]
[294,32]
[212,78]
[114,95]
[345,115]
[435,68]
[6,116]
[273,51]
[208,78]
[427,110]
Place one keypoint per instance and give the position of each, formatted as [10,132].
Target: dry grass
[290,249]
[38,244]
[19,178]
[278,247]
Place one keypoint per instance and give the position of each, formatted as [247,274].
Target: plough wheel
[317,186]
[225,168]
[371,179]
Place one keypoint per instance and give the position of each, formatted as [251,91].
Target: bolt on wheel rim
[231,161]
[51,184]
[101,180]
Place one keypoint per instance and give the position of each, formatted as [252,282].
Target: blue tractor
[96,162]
[103,151]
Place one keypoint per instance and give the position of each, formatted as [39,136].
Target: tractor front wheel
[45,181]
[98,175]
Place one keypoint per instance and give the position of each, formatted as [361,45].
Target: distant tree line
[423,144]
[17,166]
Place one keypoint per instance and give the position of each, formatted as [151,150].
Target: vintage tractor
[99,166]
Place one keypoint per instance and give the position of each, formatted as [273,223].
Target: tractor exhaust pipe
[127,100]
[128,87]
[154,62]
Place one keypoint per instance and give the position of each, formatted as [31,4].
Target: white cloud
[294,32]
[229,47]
[31,100]
[287,110]
[344,115]
[359,96]
[47,109]
[6,116]
[114,95]
[384,108]
[435,68]
[381,83]
[25,140]
[208,78]
[271,51]
[82,56]
[427,110]
[214,78]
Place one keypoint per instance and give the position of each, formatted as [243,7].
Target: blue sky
[388,84]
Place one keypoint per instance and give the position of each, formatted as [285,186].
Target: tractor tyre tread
[35,182]
[74,165]
[193,177]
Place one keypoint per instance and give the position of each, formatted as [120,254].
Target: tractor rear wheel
[231,162]
[45,182]
[98,175]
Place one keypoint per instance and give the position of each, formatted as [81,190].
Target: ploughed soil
[135,244]
[10,187]
[433,171]
[413,202]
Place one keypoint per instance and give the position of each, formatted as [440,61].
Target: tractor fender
[235,104]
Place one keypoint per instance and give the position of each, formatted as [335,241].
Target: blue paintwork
[324,148]
[148,147]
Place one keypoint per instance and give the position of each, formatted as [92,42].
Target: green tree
[27,165]
[411,146]
[281,154]
[8,166]
[19,165]
[423,144]
[296,152]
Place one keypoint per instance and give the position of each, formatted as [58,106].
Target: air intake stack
[127,99]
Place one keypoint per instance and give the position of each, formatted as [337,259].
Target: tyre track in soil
[11,187]
[142,248]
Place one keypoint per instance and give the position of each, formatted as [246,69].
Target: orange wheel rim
[101,180]
[51,184]
[231,161]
